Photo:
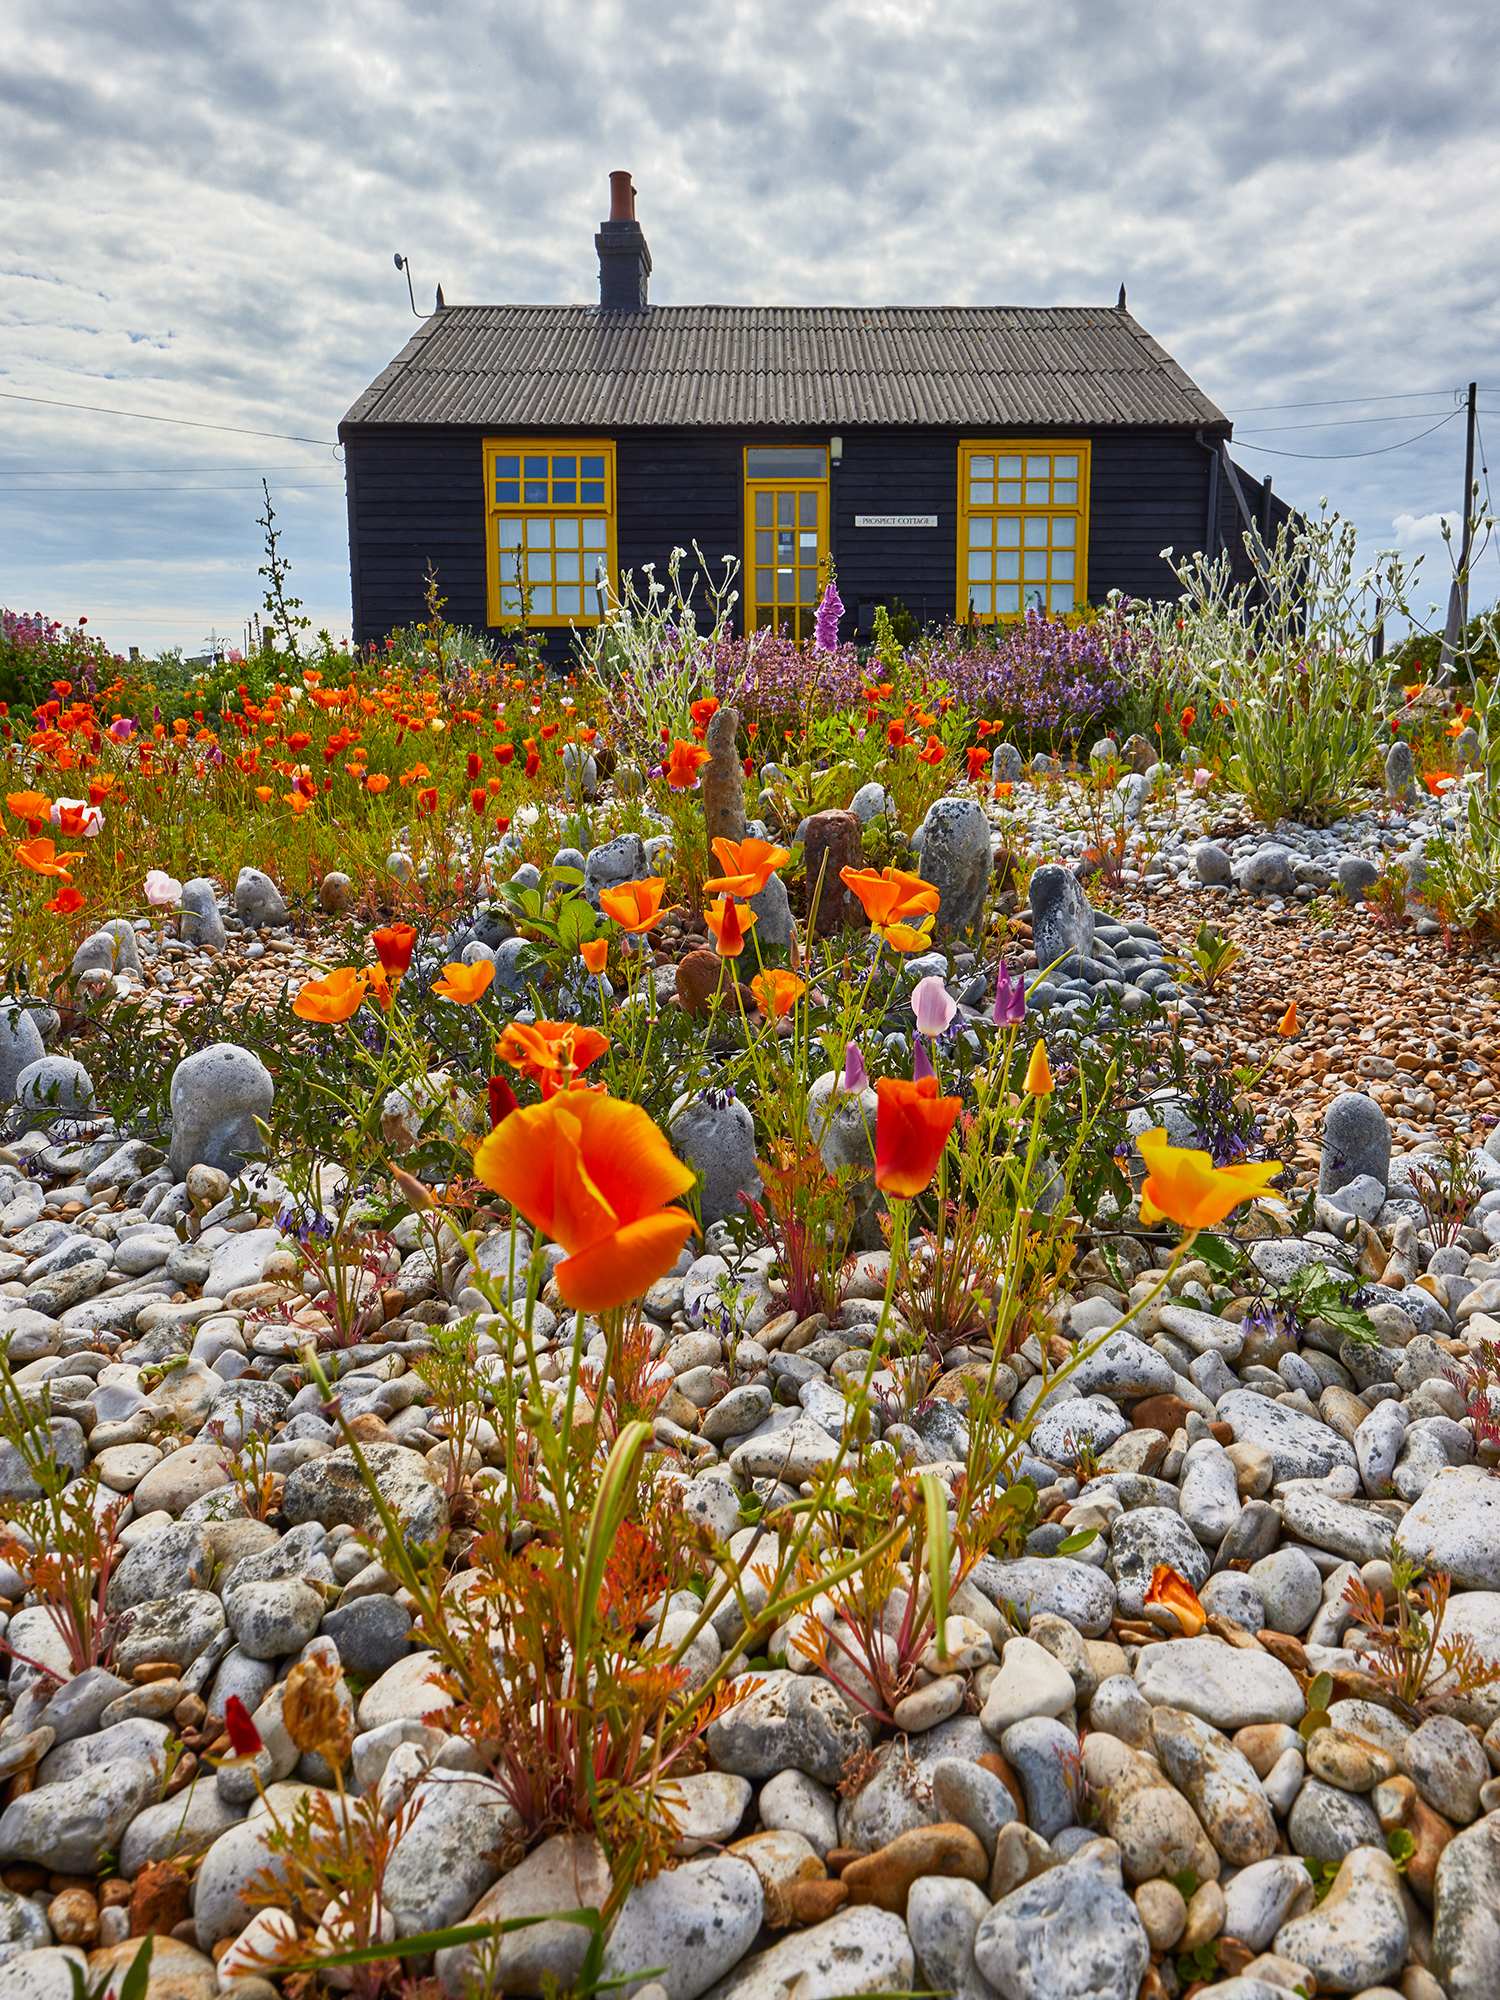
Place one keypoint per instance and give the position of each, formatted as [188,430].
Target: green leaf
[1079,1539]
[1400,1846]
[1314,1720]
[1222,1258]
[1185,1882]
[133,1986]
[1320,1691]
[571,877]
[609,1512]
[935,1497]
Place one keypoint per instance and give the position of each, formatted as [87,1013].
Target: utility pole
[1458,595]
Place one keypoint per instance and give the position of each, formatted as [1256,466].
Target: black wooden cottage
[964,462]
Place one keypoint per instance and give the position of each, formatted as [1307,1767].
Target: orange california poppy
[893,896]
[729,923]
[29,805]
[932,752]
[394,945]
[776,993]
[1038,1072]
[70,820]
[1179,1597]
[382,981]
[551,1053]
[593,1173]
[1183,1183]
[911,1130]
[748,866]
[464,984]
[703,712]
[595,954]
[263,793]
[334,998]
[1287,1025]
[635,906]
[684,764]
[65,902]
[978,757]
[377,782]
[43,859]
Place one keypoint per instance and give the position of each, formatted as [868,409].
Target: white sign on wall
[895,520]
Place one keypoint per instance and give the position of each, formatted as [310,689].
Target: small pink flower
[933,1005]
[162,891]
[856,1076]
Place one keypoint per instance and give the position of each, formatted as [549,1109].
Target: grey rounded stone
[371,1633]
[216,1097]
[199,921]
[1325,1823]
[719,1140]
[1400,770]
[1466,1912]
[20,1047]
[1230,1594]
[792,1722]
[23,1927]
[1448,1768]
[335,894]
[1358,874]
[697,1921]
[175,1628]
[449,1854]
[257,900]
[1071,1931]
[773,915]
[1211,864]
[956,862]
[615,861]
[111,948]
[1270,871]
[54,1087]
[868,803]
[1356,1141]
[1291,1587]
[1006,767]
[1357,1938]
[1061,920]
[272,1618]
[1042,1752]
[162,1565]
[1141,1539]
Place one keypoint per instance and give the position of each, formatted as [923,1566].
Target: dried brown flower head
[315,1718]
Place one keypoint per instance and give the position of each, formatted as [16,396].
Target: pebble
[1073,1930]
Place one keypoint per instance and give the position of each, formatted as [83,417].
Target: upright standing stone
[1006,767]
[956,861]
[1400,771]
[723,779]
[1061,920]
[20,1046]
[216,1097]
[200,922]
[257,900]
[831,843]
[1356,1140]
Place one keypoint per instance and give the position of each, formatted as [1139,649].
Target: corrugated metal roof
[783,366]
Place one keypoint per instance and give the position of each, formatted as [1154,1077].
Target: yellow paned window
[1023,513]
[549,528]
[786,530]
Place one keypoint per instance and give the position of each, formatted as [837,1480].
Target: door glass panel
[809,591]
[764,586]
[765,505]
[786,592]
[807,510]
[764,545]
[786,464]
[786,510]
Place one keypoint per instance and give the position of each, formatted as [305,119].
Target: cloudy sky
[201,200]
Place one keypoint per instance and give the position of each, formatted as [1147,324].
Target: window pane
[593,493]
[510,601]
[538,532]
[980,598]
[1039,467]
[808,541]
[1007,599]
[809,579]
[535,493]
[1062,597]
[1036,492]
[593,468]
[1008,468]
[509,534]
[981,466]
[539,568]
[786,464]
[507,468]
[1036,598]
[568,569]
[1064,530]
[507,492]
[786,545]
[541,603]
[1008,568]
[764,592]
[1065,492]
[1036,531]
[569,603]
[764,509]
[981,567]
[1036,566]
[1010,493]
[1062,566]
[807,509]
[595,535]
[564,493]
[981,533]
[1008,532]
[786,510]
[1065,468]
[564,468]
[565,534]
[981,494]
[536,468]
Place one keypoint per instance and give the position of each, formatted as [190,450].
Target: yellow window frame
[797,616]
[1017,546]
[567,524]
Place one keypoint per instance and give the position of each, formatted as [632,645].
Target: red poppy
[427,801]
[911,1130]
[684,764]
[65,902]
[479,798]
[504,753]
[533,764]
[978,758]
[895,735]
[394,946]
[473,765]
[244,1737]
[503,1101]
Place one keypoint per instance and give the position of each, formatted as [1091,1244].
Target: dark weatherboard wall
[415,497]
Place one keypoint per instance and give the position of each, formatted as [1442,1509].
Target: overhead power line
[1347,402]
[1328,457]
[146,417]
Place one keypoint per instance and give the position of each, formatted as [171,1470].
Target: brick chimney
[624,260]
